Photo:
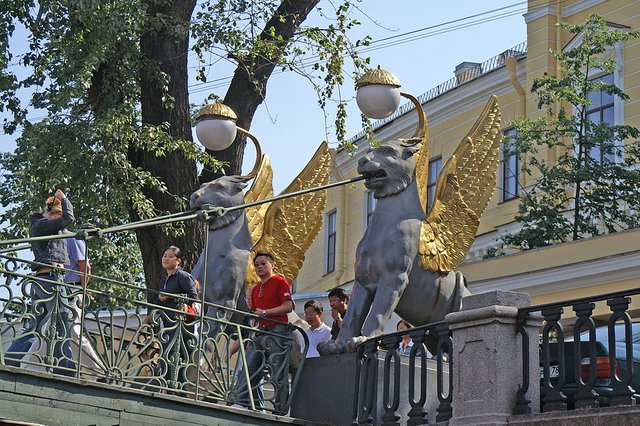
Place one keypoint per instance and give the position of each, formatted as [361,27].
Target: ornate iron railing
[590,366]
[108,331]
[367,398]
[93,334]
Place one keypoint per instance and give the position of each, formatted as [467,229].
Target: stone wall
[42,398]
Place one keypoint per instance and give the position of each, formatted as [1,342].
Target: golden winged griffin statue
[286,228]
[405,260]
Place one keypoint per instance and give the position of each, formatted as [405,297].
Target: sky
[290,125]
[419,41]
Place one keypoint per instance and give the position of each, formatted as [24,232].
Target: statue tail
[460,291]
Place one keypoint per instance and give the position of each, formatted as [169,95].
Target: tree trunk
[165,47]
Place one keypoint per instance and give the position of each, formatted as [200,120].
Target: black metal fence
[589,353]
[370,402]
[589,357]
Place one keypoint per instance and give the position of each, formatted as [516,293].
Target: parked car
[603,380]
[602,336]
[602,383]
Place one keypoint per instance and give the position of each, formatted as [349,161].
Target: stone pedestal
[487,361]
[325,389]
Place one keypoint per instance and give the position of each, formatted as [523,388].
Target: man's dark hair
[317,306]
[265,254]
[340,294]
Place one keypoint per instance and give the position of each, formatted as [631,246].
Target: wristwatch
[264,313]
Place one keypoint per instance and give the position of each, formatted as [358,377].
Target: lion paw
[352,344]
[331,347]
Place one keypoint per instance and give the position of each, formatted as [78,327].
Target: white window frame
[616,100]
[368,200]
[618,78]
[502,171]
[431,181]
[327,242]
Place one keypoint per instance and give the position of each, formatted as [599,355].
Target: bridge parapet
[44,398]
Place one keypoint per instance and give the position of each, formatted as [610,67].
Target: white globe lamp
[378,93]
[216,126]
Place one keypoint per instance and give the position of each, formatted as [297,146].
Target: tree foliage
[592,186]
[110,76]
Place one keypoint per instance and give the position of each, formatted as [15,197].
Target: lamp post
[377,95]
[216,130]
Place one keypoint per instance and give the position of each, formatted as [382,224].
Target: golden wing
[421,158]
[463,190]
[291,224]
[261,188]
[422,170]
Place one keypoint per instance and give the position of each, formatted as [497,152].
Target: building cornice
[566,11]
[580,6]
[458,102]
[566,277]
[539,12]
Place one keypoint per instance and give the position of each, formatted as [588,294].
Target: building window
[435,165]
[509,167]
[601,111]
[331,221]
[370,206]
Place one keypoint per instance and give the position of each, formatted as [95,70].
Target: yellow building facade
[565,271]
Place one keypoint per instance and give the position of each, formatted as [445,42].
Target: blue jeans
[267,353]
[52,320]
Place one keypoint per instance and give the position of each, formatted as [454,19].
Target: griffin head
[389,168]
[226,191]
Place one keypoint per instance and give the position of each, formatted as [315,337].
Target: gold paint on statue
[421,157]
[463,190]
[378,76]
[286,228]
[261,189]
[259,157]
[217,109]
